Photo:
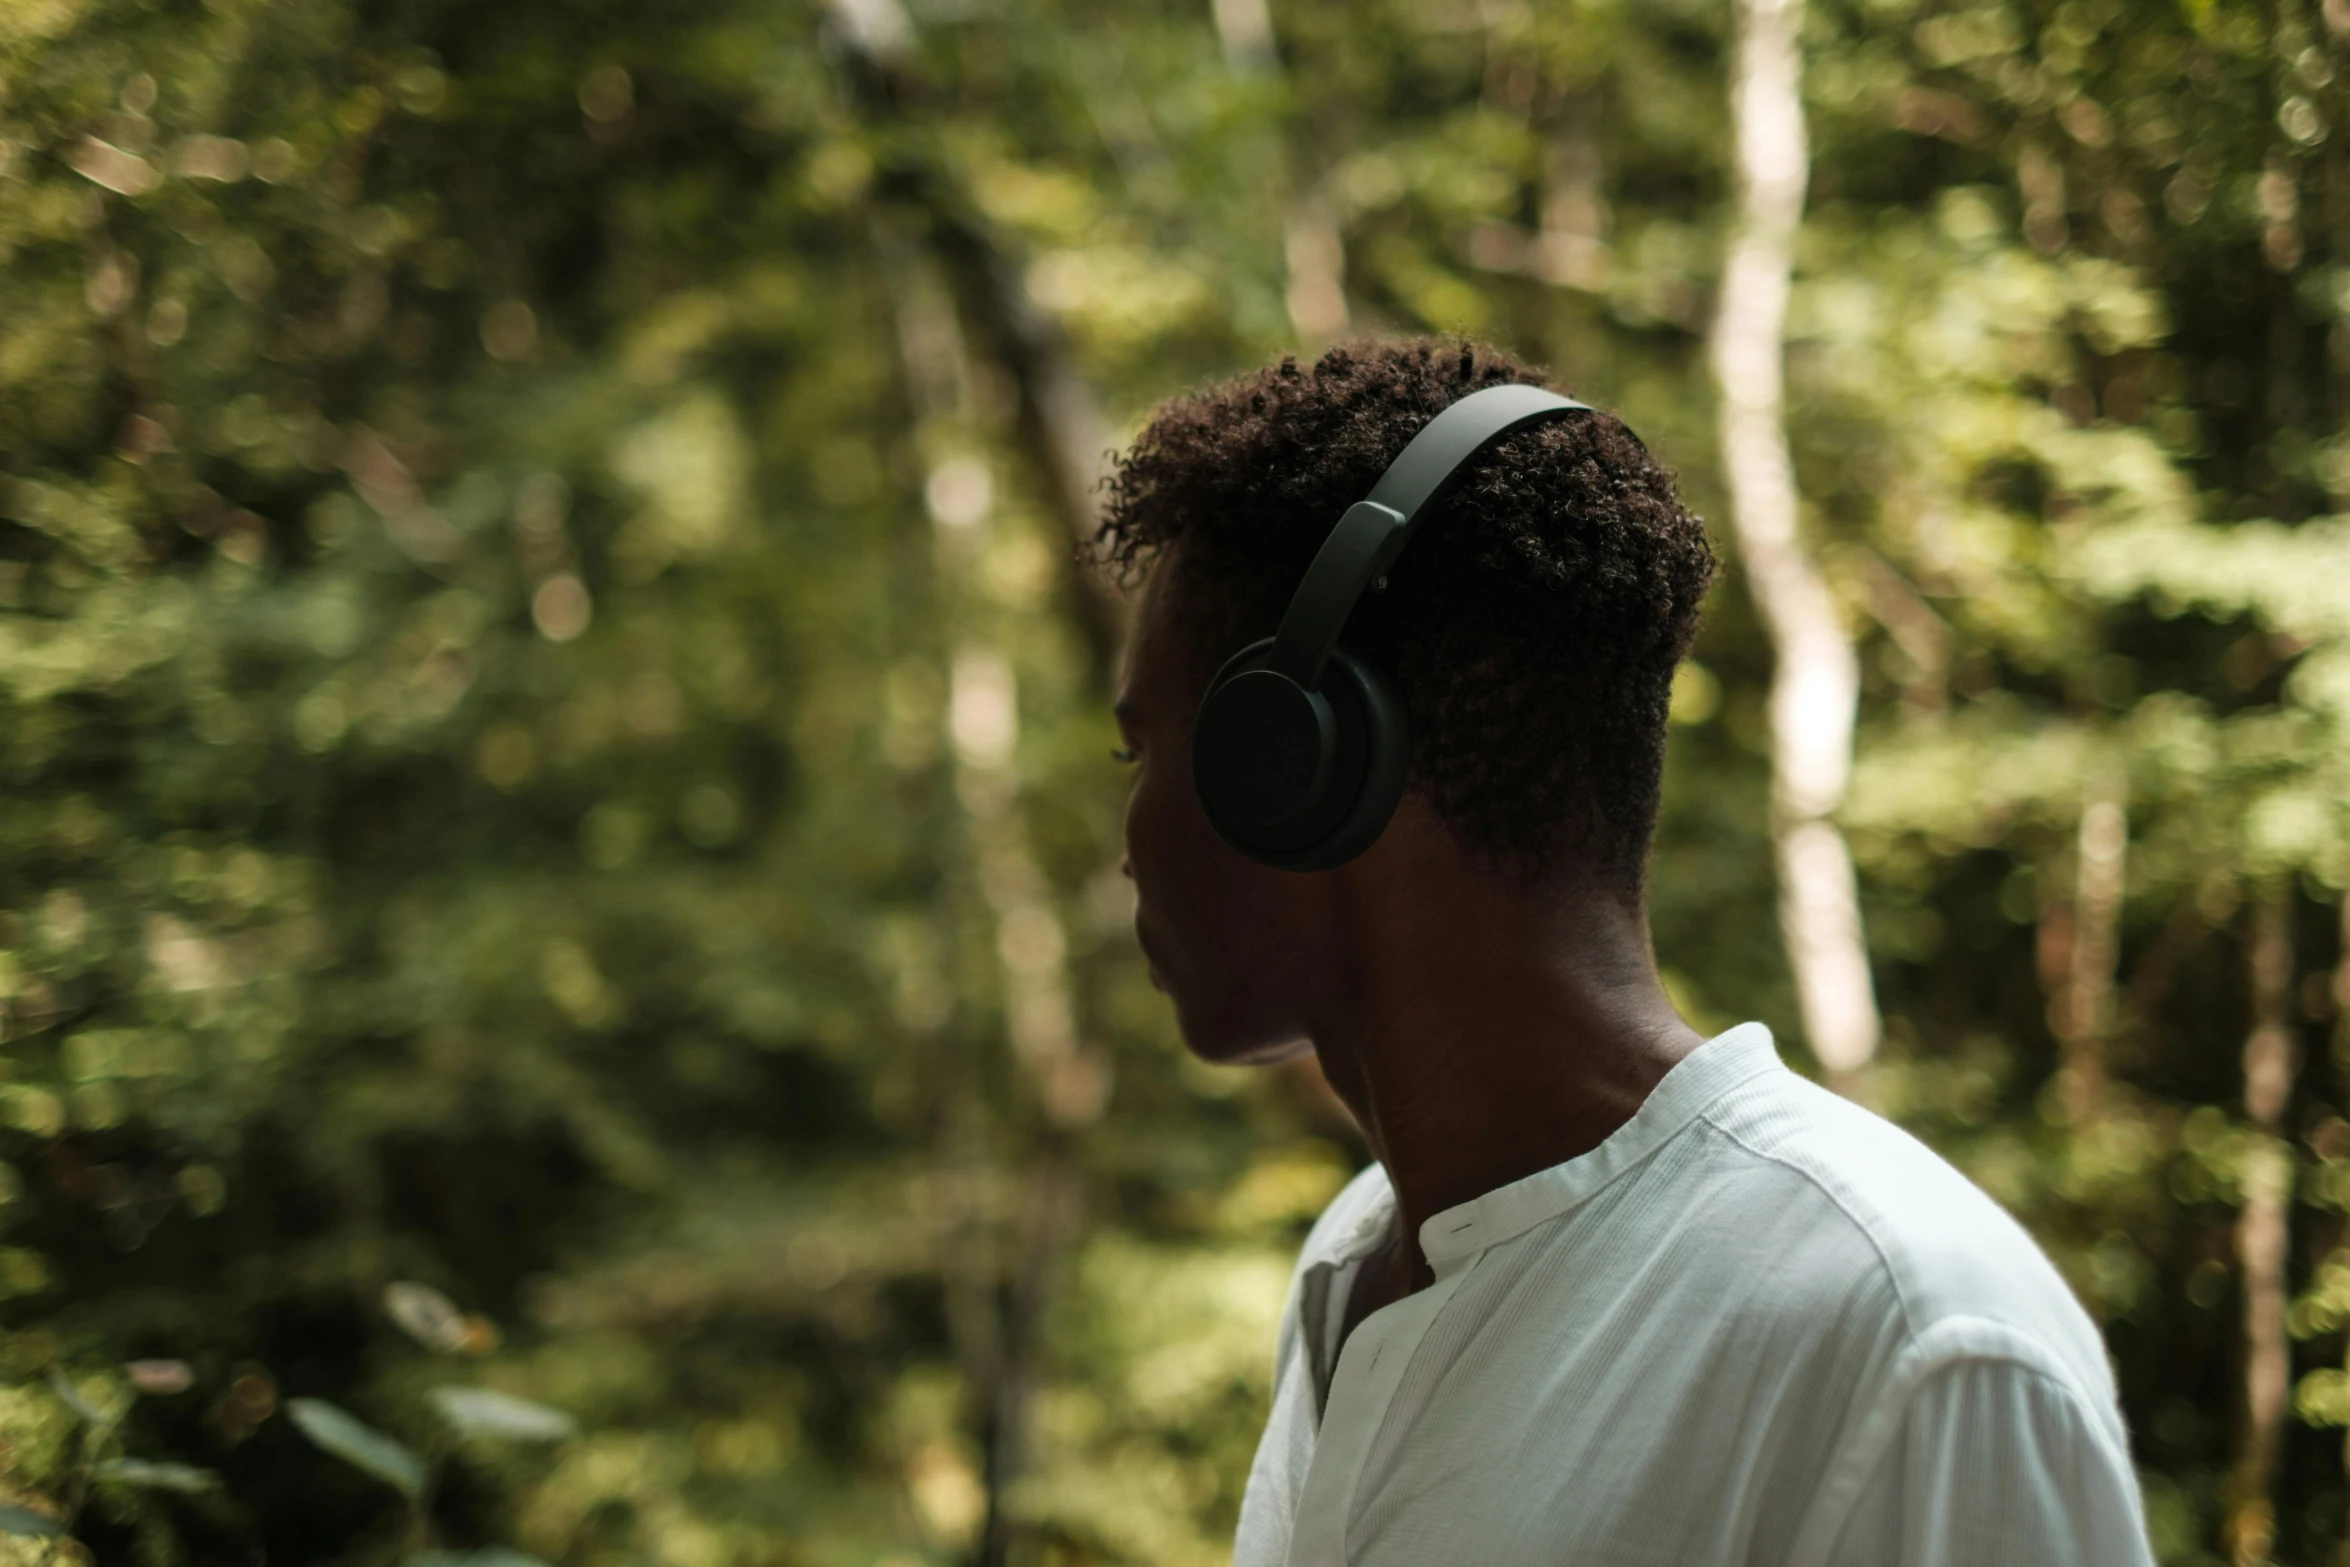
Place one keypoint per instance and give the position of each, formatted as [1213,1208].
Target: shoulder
[1961,1278]
[1984,1460]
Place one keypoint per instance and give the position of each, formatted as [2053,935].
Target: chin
[1220,1039]
[1224,1024]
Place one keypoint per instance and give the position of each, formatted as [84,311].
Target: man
[1612,1293]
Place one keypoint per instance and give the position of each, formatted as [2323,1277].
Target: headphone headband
[1299,749]
[1374,530]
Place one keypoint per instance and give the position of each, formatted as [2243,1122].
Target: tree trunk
[1244,28]
[1817,681]
[2261,1230]
[1061,427]
[1313,248]
[1315,251]
[1066,1083]
[2342,1064]
[2085,1006]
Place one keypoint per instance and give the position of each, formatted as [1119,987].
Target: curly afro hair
[1532,626]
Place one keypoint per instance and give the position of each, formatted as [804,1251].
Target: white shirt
[1757,1325]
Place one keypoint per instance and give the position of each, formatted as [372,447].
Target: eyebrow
[1126,712]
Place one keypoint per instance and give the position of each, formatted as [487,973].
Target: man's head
[1532,627]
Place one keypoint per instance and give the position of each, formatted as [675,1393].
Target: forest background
[564,987]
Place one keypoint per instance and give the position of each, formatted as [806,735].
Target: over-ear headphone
[1300,746]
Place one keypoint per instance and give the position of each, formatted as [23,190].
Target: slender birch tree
[2085,1005]
[1815,686]
[2262,1228]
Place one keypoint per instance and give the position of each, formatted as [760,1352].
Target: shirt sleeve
[1996,1463]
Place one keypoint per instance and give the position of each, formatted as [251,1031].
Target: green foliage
[367,1450]
[25,1523]
[482,1411]
[484,876]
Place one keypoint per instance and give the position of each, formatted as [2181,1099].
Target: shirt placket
[1370,1369]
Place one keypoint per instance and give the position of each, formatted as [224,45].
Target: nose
[1126,865]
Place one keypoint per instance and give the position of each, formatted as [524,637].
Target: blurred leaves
[481,1411]
[359,1445]
[146,1475]
[476,794]
[83,1406]
[24,1522]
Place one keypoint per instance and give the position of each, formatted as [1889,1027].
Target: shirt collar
[1699,1078]
[1451,1238]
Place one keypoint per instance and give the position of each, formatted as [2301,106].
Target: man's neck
[1485,1034]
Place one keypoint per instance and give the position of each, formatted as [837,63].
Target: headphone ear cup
[1264,751]
[1377,714]
[1364,779]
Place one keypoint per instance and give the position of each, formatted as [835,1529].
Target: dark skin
[1477,1031]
